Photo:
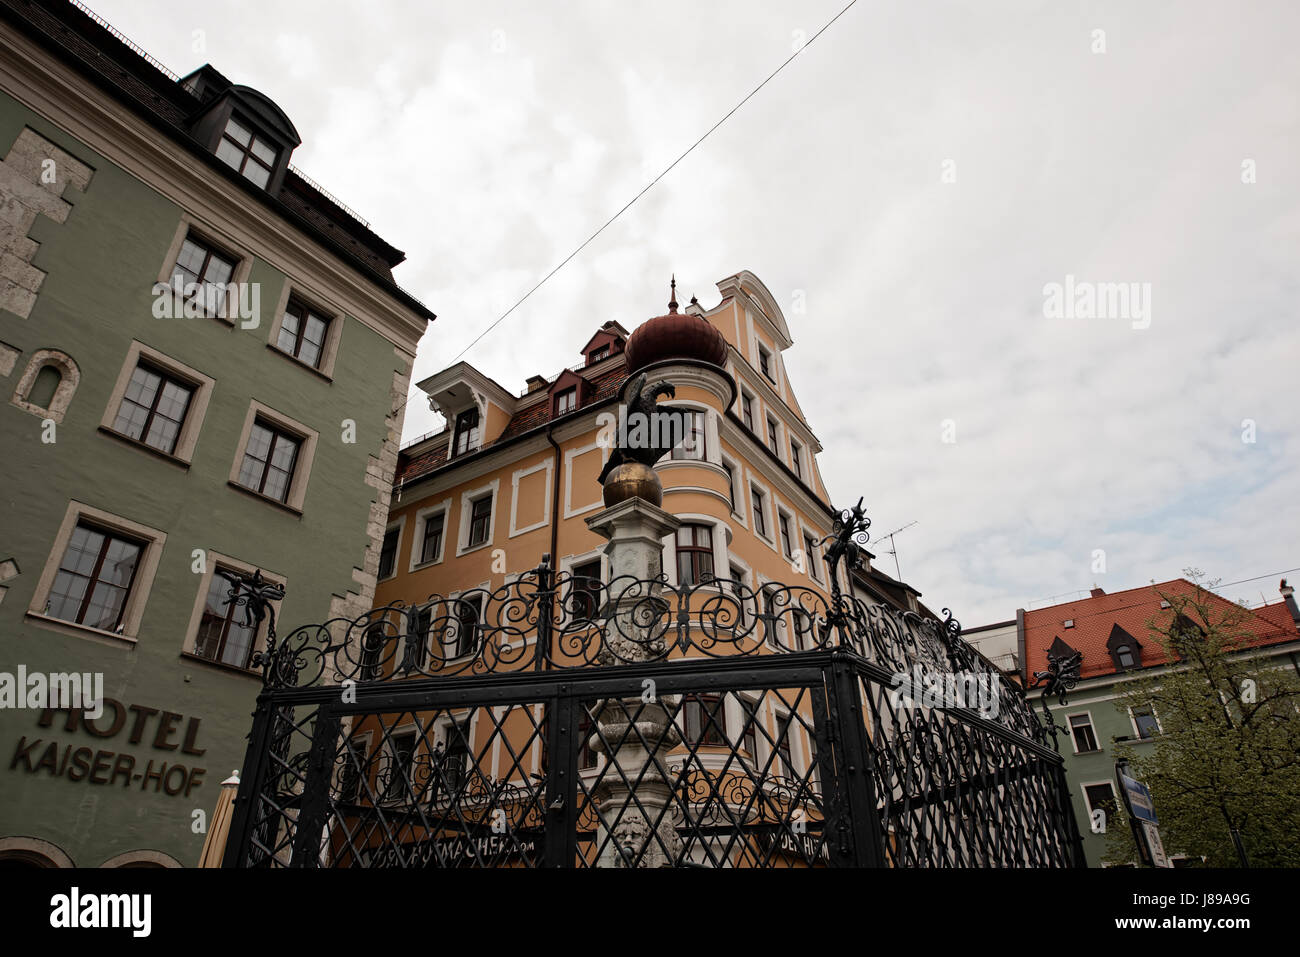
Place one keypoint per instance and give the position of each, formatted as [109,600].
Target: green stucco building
[1111,631]
[204,361]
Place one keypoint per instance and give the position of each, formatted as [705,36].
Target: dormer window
[247,153]
[566,401]
[465,438]
[597,354]
[1124,649]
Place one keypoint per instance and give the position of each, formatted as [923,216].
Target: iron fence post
[545,609]
[853,766]
[251,780]
[316,790]
[560,833]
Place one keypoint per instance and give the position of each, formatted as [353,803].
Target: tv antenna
[891,550]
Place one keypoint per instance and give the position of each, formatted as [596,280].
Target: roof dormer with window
[475,407]
[243,128]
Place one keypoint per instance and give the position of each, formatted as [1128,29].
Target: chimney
[1097,592]
[1288,596]
[535,382]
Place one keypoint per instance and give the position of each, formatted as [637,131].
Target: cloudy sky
[916,177]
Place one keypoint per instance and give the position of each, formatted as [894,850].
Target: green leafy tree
[1225,767]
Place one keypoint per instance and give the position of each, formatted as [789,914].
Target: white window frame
[201,393]
[212,237]
[422,517]
[307,439]
[1091,724]
[1083,789]
[769,504]
[141,586]
[334,320]
[1137,734]
[400,525]
[467,500]
[211,560]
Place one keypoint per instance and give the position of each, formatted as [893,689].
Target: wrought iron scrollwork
[256,595]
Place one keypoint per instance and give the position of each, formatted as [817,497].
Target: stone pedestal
[637,630]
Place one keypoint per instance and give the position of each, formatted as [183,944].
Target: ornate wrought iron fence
[561,721]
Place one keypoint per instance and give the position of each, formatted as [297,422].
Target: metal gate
[565,722]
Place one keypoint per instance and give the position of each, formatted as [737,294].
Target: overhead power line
[565,261]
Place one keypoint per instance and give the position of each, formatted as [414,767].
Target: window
[749,731]
[453,762]
[372,646]
[247,153]
[765,363]
[204,267]
[796,459]
[94,578]
[760,521]
[417,645]
[1085,739]
[771,434]
[464,637]
[773,602]
[731,484]
[586,589]
[1124,657]
[401,761]
[431,541]
[480,520]
[1100,796]
[302,334]
[738,590]
[694,554]
[388,553]
[466,435]
[586,734]
[224,635]
[597,354]
[747,410]
[705,719]
[691,447]
[1069,623]
[810,556]
[153,408]
[353,765]
[269,460]
[1146,722]
[785,731]
[787,548]
[566,401]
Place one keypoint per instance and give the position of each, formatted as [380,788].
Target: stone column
[639,628]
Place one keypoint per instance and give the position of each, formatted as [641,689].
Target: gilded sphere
[633,480]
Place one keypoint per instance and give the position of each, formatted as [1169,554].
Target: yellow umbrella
[214,846]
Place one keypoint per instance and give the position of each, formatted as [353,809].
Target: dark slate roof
[110,61]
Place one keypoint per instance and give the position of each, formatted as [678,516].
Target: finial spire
[672,303]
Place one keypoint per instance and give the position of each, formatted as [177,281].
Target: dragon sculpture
[643,409]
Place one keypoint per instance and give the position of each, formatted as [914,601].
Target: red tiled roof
[603,386]
[1131,610]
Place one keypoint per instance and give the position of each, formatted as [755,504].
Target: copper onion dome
[674,335]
